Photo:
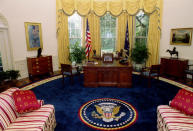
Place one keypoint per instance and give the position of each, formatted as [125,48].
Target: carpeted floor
[68,98]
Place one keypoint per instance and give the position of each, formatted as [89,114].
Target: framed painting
[33,33]
[108,58]
[181,36]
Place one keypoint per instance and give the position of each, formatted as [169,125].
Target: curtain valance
[100,7]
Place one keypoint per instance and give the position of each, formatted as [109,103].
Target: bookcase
[39,66]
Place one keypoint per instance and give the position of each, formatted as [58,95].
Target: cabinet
[173,67]
[39,66]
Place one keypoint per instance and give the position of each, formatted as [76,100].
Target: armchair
[70,71]
[189,71]
[150,72]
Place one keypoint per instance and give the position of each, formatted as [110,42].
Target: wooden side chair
[189,71]
[69,71]
[150,72]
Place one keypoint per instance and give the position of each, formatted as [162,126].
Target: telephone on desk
[123,61]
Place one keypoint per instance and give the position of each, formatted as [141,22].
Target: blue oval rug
[108,114]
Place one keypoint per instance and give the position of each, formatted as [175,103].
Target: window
[142,23]
[108,33]
[6,58]
[75,29]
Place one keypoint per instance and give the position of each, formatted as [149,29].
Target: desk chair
[150,72]
[68,70]
[189,71]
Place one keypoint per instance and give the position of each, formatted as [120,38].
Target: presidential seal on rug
[108,114]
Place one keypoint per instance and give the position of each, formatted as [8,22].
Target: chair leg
[71,80]
[192,78]
[62,78]
[149,82]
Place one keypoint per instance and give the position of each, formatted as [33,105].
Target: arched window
[142,24]
[6,62]
[108,33]
[75,29]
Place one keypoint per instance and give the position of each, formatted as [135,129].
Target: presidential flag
[126,47]
[88,41]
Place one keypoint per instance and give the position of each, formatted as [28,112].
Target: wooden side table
[39,66]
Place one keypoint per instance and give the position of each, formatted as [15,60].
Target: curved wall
[176,14]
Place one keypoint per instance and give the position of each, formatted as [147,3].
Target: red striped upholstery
[42,119]
[170,119]
[38,120]
[8,113]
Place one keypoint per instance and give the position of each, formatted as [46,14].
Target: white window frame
[5,47]
[142,37]
[103,51]
[81,34]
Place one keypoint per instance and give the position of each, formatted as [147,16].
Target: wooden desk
[111,74]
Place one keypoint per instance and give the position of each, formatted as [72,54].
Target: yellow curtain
[131,28]
[63,39]
[123,9]
[94,24]
[153,40]
[122,22]
[123,19]
[94,27]
[100,7]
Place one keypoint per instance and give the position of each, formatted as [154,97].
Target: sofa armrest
[41,102]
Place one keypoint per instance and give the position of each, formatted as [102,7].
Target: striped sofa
[169,119]
[42,119]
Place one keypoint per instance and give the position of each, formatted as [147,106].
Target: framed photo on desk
[107,58]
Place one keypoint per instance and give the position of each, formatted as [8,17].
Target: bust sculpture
[39,52]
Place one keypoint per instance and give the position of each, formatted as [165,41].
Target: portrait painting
[181,36]
[33,36]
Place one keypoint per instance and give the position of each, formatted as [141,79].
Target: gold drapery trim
[100,7]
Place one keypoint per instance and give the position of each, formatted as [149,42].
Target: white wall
[176,14]
[19,11]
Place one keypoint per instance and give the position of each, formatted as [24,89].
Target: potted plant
[3,77]
[13,76]
[77,53]
[8,79]
[139,55]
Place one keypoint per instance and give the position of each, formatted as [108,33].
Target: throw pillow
[25,101]
[183,101]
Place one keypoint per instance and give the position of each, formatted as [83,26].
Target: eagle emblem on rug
[108,112]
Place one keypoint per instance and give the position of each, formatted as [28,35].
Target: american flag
[88,41]
[126,47]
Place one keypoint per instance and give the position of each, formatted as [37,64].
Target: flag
[126,47]
[88,40]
